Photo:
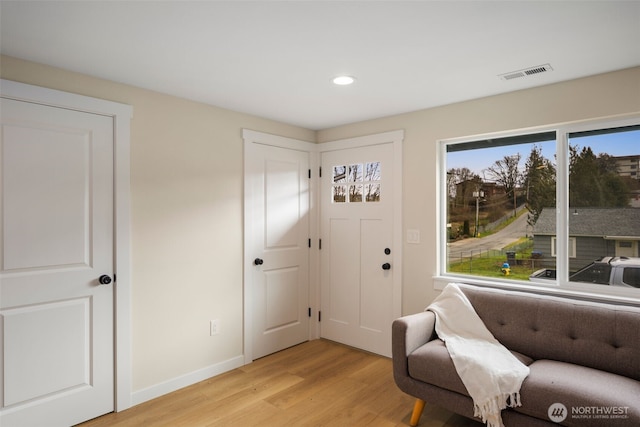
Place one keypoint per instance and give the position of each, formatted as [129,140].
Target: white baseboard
[182,381]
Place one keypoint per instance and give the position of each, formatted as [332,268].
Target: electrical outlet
[214,327]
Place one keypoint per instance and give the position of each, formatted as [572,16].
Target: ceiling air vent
[526,72]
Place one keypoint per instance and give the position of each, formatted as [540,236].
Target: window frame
[561,285]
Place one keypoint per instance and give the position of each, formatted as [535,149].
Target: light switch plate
[413,236]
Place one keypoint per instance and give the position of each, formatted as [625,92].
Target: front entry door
[277,246]
[57,241]
[360,256]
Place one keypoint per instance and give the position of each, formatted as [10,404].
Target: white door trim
[252,137]
[395,137]
[121,115]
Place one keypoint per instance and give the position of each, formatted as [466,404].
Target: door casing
[121,115]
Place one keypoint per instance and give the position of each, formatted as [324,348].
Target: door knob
[104,279]
[258,261]
[386,266]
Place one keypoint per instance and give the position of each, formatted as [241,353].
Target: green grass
[523,247]
[491,265]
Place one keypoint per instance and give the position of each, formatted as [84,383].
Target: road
[497,241]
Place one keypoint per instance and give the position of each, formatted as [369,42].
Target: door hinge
[114,277]
[320,244]
[309,242]
[309,173]
[319,316]
[309,311]
[320,171]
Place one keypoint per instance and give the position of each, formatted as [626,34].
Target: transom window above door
[356,183]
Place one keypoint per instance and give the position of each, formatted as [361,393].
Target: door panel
[279,187]
[344,270]
[376,291]
[52,331]
[57,239]
[281,298]
[357,225]
[282,204]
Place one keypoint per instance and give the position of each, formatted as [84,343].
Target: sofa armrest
[407,334]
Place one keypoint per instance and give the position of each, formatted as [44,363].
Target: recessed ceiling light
[344,80]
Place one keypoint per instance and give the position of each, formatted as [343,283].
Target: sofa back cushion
[597,335]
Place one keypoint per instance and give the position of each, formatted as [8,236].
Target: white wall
[186,169]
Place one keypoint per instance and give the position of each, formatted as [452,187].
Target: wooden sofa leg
[418,407]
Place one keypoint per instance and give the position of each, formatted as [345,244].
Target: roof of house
[593,222]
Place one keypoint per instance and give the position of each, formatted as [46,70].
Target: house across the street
[593,233]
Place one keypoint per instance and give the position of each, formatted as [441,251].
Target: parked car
[613,271]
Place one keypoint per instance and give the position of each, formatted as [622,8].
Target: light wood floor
[317,383]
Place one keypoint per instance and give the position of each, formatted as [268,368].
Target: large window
[541,207]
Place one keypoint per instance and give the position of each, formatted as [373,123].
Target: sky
[616,144]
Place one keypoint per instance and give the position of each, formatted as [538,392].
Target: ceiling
[277,59]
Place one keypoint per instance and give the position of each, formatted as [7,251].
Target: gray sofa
[584,359]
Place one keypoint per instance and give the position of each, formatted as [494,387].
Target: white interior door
[361,251]
[277,212]
[57,241]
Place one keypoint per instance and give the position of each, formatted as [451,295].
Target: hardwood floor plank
[317,383]
[254,416]
[321,374]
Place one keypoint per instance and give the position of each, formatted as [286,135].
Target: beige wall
[187,198]
[604,95]
[186,169]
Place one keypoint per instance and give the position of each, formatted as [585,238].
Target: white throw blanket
[491,374]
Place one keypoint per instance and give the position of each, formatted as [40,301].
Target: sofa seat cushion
[591,397]
[432,364]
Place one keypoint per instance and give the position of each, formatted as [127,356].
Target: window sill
[582,292]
